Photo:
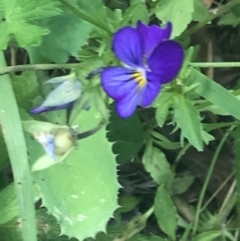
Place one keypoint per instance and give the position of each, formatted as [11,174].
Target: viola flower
[63,97]
[150,59]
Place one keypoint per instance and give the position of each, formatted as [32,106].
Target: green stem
[84,16]
[16,146]
[237,168]
[210,18]
[16,68]
[215,64]
[209,174]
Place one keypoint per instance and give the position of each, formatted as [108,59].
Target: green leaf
[127,135]
[18,16]
[81,192]
[68,34]
[163,103]
[8,204]
[165,212]
[200,11]
[214,93]
[127,203]
[26,88]
[179,13]
[156,164]
[229,19]
[187,118]
[207,236]
[181,183]
[137,11]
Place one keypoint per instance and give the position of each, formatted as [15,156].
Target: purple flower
[150,60]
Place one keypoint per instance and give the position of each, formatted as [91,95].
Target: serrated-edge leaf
[187,118]
[81,191]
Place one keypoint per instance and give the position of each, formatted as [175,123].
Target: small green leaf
[179,13]
[200,11]
[207,236]
[163,103]
[182,183]
[187,118]
[214,93]
[165,212]
[156,164]
[9,204]
[229,19]
[127,203]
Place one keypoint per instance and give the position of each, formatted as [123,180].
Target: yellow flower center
[138,77]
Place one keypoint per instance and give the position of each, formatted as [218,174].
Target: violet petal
[153,35]
[166,60]
[118,81]
[128,47]
[151,90]
[128,104]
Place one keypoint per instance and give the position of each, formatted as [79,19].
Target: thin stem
[16,68]
[210,18]
[215,64]
[217,191]
[84,16]
[209,174]
[237,168]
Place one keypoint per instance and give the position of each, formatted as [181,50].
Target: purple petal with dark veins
[41,109]
[127,105]
[153,35]
[166,60]
[151,90]
[128,46]
[117,81]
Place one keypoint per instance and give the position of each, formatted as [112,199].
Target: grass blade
[14,138]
